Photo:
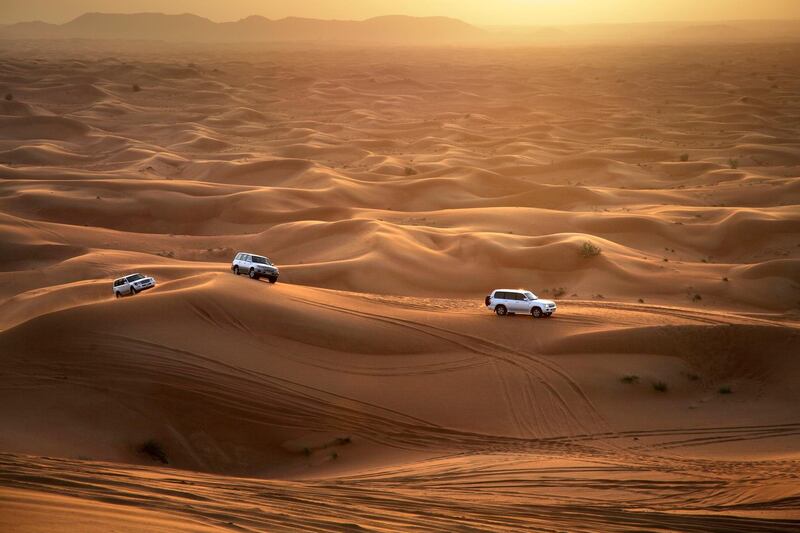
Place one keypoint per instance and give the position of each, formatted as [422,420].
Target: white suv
[254,266]
[132,284]
[511,301]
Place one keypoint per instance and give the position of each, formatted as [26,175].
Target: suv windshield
[530,295]
[261,260]
[135,277]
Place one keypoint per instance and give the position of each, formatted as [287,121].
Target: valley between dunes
[369,389]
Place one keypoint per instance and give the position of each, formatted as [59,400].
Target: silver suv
[512,301]
[254,266]
[131,284]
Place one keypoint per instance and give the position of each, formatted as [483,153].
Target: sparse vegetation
[339,441]
[154,450]
[409,171]
[696,298]
[692,376]
[684,157]
[136,88]
[660,386]
[630,379]
[9,97]
[725,278]
[641,300]
[558,292]
[734,163]
[589,250]
[725,390]
[334,456]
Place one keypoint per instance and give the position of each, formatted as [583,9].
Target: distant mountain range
[189,28]
[392,29]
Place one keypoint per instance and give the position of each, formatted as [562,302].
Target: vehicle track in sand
[553,380]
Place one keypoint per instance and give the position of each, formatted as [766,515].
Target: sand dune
[369,389]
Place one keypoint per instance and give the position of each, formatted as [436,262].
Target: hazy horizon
[500,13]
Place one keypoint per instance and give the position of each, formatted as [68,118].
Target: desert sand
[370,390]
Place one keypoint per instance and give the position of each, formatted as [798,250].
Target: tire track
[538,368]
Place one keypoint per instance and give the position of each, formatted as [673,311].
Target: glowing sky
[480,12]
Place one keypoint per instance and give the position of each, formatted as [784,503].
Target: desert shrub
[725,278]
[409,171]
[660,386]
[692,376]
[307,451]
[684,157]
[630,379]
[725,390]
[340,441]
[559,292]
[641,300]
[590,250]
[334,456]
[136,88]
[9,96]
[153,449]
[734,163]
[696,298]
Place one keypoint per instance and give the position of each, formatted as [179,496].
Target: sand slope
[369,389]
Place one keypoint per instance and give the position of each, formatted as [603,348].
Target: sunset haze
[500,12]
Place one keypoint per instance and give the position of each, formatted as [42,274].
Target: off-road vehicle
[255,266]
[131,284]
[512,301]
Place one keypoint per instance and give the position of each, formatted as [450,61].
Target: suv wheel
[537,312]
[272,279]
[501,310]
[117,294]
[253,274]
[236,270]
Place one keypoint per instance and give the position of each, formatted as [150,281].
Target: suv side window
[246,258]
[503,295]
[117,283]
